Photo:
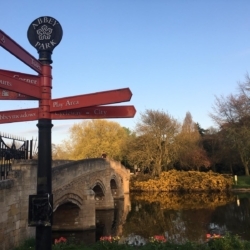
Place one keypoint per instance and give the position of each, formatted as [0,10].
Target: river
[186,217]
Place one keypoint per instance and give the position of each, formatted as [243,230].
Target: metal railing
[13,148]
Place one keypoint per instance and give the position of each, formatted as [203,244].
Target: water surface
[178,217]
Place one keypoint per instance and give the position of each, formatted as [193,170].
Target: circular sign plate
[45,33]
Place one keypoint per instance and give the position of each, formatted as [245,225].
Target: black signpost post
[44,33]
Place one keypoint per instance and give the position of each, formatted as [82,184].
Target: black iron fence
[12,148]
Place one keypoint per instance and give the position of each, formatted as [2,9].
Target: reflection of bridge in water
[108,222]
[86,194]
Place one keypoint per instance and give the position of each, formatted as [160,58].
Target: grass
[242,182]
[28,244]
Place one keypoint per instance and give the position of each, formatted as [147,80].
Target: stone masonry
[72,183]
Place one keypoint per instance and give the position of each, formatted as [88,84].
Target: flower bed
[228,242]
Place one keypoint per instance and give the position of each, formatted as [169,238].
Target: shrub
[185,181]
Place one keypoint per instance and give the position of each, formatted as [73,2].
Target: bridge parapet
[64,174]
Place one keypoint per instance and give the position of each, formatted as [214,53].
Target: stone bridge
[92,184]
[79,189]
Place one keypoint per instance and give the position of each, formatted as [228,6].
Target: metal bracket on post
[40,210]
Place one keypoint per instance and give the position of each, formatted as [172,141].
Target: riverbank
[240,190]
[241,184]
[227,242]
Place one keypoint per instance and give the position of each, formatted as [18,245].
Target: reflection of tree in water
[195,221]
[180,223]
[145,219]
[236,219]
[178,226]
[176,201]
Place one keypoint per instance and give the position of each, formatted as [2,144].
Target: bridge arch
[99,190]
[67,217]
[87,186]
[113,182]
[114,186]
[69,197]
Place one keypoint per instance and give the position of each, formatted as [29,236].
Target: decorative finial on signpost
[44,34]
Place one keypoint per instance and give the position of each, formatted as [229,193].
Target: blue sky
[174,55]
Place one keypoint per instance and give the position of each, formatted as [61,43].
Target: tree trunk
[245,164]
[246,169]
[231,168]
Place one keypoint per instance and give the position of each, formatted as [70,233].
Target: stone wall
[14,195]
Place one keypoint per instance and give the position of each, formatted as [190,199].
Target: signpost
[95,99]
[45,33]
[21,115]
[10,95]
[13,84]
[15,49]
[33,79]
[96,112]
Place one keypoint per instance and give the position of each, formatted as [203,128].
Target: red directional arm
[97,112]
[88,100]
[20,115]
[15,49]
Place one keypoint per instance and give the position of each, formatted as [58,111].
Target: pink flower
[106,238]
[110,238]
[60,240]
[213,236]
[158,238]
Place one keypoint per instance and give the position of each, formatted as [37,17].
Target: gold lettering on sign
[57,105]
[6,83]
[3,39]
[16,116]
[69,103]
[65,113]
[36,64]
[100,112]
[25,79]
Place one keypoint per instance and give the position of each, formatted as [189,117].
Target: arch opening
[99,195]
[66,216]
[113,186]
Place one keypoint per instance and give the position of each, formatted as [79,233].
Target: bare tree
[232,114]
[154,146]
[191,154]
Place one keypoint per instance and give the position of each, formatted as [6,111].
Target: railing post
[31,149]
